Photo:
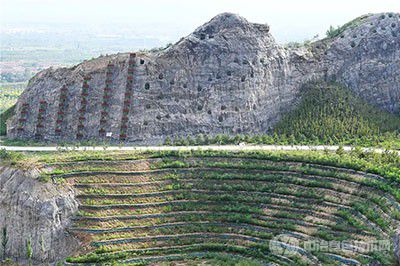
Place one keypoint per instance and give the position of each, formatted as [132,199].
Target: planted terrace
[191,207]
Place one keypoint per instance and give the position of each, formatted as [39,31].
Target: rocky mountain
[228,76]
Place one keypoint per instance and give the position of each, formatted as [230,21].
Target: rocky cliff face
[366,58]
[229,76]
[34,214]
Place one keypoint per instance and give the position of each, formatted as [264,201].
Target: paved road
[176,148]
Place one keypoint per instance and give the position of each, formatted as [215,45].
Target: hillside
[228,77]
[205,207]
[330,113]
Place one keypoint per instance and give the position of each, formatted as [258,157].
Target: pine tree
[167,141]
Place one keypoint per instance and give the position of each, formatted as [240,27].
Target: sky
[290,20]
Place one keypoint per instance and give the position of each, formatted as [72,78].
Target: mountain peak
[228,21]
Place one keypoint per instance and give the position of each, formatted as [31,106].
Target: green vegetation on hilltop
[333,32]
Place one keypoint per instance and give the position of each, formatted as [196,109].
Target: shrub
[10,156]
[167,141]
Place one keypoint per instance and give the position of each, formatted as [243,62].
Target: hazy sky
[289,19]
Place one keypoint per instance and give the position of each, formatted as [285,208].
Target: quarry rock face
[366,58]
[35,215]
[229,76]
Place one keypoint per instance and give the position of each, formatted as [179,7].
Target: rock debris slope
[229,76]
[34,215]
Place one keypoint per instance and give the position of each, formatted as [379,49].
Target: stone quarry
[228,77]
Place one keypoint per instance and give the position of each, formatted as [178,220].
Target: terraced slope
[216,210]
